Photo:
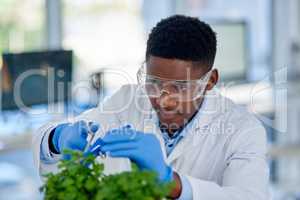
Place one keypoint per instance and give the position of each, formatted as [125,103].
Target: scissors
[90,138]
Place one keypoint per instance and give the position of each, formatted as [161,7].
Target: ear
[213,80]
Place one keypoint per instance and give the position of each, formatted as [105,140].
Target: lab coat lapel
[210,110]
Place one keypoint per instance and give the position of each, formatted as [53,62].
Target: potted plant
[82,178]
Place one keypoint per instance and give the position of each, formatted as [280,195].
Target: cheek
[153,102]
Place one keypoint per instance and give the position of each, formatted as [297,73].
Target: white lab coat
[223,155]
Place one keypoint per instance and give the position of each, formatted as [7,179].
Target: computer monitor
[34,78]
[232,59]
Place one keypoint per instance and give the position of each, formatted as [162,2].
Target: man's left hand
[143,149]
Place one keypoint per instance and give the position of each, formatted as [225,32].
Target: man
[179,125]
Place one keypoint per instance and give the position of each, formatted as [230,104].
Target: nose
[167,100]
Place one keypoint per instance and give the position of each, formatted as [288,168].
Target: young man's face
[171,111]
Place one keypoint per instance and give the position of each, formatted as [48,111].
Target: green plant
[82,178]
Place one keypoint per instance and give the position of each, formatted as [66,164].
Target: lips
[167,114]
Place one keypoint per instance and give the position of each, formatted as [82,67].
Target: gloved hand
[143,149]
[73,136]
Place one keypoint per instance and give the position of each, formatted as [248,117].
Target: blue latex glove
[143,149]
[73,136]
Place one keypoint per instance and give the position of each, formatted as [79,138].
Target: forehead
[174,69]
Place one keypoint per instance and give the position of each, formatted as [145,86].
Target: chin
[168,118]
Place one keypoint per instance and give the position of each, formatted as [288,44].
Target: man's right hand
[73,136]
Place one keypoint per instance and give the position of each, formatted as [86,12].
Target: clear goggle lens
[181,90]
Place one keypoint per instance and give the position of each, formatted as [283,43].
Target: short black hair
[183,37]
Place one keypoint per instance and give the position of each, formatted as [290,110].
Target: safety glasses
[181,90]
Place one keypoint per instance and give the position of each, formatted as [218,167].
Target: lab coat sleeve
[186,193]
[246,174]
[44,160]
[47,156]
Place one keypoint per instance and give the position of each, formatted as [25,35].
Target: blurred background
[62,57]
